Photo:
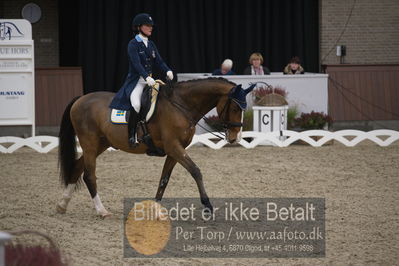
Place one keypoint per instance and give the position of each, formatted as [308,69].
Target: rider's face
[146,29]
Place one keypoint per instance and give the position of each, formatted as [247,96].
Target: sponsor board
[17,92]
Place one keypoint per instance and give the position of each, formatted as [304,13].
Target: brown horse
[172,128]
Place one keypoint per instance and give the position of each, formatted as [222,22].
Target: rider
[143,54]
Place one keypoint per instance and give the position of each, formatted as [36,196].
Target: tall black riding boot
[132,125]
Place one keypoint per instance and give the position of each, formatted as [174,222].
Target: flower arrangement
[312,120]
[261,92]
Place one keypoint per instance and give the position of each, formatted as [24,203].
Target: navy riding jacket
[141,61]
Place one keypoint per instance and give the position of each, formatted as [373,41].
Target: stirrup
[133,143]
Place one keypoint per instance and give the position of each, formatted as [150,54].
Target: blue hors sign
[9,30]
[15,29]
[17,102]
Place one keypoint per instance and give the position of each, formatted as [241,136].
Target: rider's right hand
[150,81]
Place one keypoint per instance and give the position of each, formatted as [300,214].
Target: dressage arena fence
[250,139]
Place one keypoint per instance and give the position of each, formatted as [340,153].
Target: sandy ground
[360,186]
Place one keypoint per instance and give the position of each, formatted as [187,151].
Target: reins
[224,123]
[185,111]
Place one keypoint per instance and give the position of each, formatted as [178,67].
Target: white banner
[308,92]
[17,69]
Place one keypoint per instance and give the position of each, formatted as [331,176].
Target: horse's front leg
[166,172]
[180,155]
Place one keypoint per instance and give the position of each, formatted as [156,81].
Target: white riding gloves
[150,81]
[169,74]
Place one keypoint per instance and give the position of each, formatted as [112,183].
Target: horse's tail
[67,145]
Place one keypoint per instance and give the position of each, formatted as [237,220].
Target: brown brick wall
[44,32]
[372,35]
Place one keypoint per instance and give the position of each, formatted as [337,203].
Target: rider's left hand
[169,75]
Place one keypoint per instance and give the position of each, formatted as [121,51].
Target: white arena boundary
[287,137]
[44,144]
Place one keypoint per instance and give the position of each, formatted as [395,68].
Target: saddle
[149,100]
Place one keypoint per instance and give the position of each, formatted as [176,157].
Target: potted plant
[313,120]
[292,114]
[248,120]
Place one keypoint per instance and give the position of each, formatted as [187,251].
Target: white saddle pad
[118,116]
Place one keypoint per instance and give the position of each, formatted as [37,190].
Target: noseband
[224,121]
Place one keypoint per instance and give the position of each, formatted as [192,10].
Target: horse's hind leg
[89,176]
[79,168]
[67,195]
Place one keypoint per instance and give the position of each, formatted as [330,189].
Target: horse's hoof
[60,209]
[208,210]
[105,215]
[133,143]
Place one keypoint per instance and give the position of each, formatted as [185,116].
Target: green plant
[248,120]
[312,120]
[292,113]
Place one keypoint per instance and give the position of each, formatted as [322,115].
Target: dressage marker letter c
[263,119]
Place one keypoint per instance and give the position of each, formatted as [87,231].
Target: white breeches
[135,96]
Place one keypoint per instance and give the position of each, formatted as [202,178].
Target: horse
[172,127]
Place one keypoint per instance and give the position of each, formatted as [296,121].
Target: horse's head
[231,112]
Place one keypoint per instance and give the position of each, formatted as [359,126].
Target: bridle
[226,124]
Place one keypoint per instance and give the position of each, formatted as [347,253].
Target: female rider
[143,54]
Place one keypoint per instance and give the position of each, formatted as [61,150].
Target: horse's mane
[207,79]
[169,88]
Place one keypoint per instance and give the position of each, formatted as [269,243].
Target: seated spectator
[256,68]
[294,67]
[225,68]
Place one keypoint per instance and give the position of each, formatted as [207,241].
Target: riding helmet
[141,19]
